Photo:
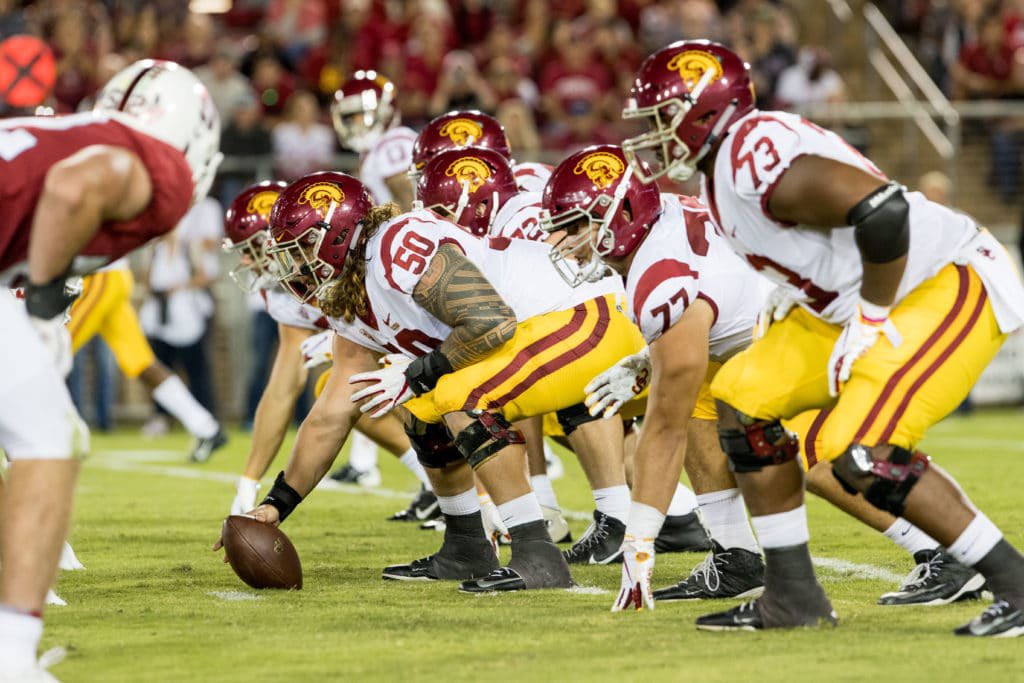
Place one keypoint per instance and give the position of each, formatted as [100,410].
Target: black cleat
[747,617]
[464,554]
[682,534]
[536,563]
[204,448]
[732,573]
[601,543]
[501,579]
[1000,620]
[938,579]
[423,507]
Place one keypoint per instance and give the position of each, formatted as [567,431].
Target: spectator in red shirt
[583,126]
[273,85]
[423,63]
[574,73]
[75,66]
[986,64]
[297,25]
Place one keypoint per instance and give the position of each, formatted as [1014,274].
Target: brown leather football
[261,554]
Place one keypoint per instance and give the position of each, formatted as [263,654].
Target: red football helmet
[363,108]
[690,92]
[586,196]
[314,223]
[467,185]
[245,224]
[456,129]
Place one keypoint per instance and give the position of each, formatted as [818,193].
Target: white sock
[412,463]
[683,502]
[362,455]
[174,397]
[976,541]
[541,485]
[521,510]
[644,521]
[613,501]
[782,529]
[19,639]
[909,537]
[465,503]
[725,516]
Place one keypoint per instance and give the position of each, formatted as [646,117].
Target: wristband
[48,300]
[424,372]
[283,497]
[873,313]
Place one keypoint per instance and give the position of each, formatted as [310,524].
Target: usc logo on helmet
[602,168]
[322,197]
[469,170]
[462,131]
[693,64]
[261,203]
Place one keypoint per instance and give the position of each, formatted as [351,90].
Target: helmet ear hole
[627,208]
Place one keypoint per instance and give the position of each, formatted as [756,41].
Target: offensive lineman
[902,305]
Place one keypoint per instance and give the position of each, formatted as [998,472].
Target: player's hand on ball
[619,384]
[386,388]
[637,568]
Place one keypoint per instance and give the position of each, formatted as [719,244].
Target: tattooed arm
[455,292]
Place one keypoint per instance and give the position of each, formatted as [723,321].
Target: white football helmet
[165,100]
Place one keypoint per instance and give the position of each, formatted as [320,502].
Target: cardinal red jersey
[30,147]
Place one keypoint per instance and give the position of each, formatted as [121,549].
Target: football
[261,554]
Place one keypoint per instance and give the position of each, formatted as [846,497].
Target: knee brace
[572,417]
[432,442]
[758,445]
[485,436]
[884,483]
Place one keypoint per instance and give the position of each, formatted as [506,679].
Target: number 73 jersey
[683,259]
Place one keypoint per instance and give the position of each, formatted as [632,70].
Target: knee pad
[758,445]
[432,442]
[884,483]
[572,417]
[485,436]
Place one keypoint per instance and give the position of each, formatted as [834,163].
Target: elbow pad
[880,224]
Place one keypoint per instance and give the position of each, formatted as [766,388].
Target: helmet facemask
[300,270]
[255,269]
[360,119]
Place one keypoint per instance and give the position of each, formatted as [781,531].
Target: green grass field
[148,609]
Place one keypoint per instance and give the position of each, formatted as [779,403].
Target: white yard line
[139,462]
[234,596]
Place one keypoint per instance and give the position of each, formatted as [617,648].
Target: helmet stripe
[131,87]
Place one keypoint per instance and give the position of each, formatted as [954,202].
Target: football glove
[386,388]
[776,307]
[637,568]
[619,384]
[317,350]
[245,496]
[858,336]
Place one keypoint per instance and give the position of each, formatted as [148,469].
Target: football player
[104,307]
[475,188]
[471,347]
[80,192]
[903,303]
[245,229]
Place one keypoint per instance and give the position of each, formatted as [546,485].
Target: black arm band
[48,300]
[424,372]
[881,225]
[283,497]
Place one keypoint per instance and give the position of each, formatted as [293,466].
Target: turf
[146,609]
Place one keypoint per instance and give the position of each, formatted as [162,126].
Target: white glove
[317,350]
[245,496]
[776,307]
[57,341]
[619,384]
[858,336]
[387,388]
[637,568]
[494,528]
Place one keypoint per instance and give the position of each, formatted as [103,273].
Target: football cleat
[464,554]
[682,534]
[204,448]
[558,528]
[417,570]
[747,617]
[346,474]
[422,508]
[500,580]
[601,543]
[536,563]
[732,573]
[1000,620]
[938,579]
[434,525]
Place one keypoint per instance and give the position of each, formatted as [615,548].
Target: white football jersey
[683,259]
[391,155]
[398,254]
[823,268]
[287,310]
[531,176]
[519,218]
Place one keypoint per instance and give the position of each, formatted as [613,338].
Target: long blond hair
[346,297]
